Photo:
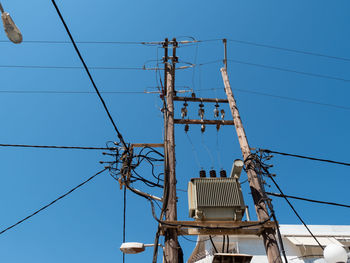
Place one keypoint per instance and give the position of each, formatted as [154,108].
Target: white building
[299,245]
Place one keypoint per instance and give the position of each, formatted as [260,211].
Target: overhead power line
[90,76]
[71,67]
[308,200]
[288,49]
[183,67]
[288,70]
[156,92]
[305,157]
[83,42]
[55,147]
[146,43]
[281,97]
[51,203]
[242,62]
[152,43]
[292,99]
[74,92]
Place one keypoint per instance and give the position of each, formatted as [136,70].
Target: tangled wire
[125,164]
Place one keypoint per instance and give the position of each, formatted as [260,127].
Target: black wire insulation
[305,157]
[51,203]
[223,243]
[228,244]
[262,169]
[308,200]
[212,243]
[90,76]
[295,212]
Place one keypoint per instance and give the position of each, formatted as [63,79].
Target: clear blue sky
[87,225]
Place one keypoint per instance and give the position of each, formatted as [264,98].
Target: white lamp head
[132,247]
[335,254]
[10,27]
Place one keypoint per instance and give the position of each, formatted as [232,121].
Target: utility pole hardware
[171,228]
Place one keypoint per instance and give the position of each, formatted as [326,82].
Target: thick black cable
[90,76]
[228,244]
[260,168]
[263,170]
[196,226]
[56,147]
[279,235]
[223,243]
[305,157]
[51,203]
[295,212]
[212,243]
[308,200]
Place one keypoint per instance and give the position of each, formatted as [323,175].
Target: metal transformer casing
[215,199]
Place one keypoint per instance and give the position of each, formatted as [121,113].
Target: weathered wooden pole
[171,242]
[268,234]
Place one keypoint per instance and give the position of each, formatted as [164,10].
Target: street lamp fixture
[10,27]
[135,247]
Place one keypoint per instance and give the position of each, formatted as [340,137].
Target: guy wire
[194,151]
[208,151]
[218,149]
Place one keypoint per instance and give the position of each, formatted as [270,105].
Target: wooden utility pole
[268,234]
[171,242]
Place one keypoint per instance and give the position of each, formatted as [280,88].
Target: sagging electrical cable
[308,200]
[51,203]
[262,169]
[305,157]
[223,244]
[90,76]
[212,243]
[201,227]
[295,212]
